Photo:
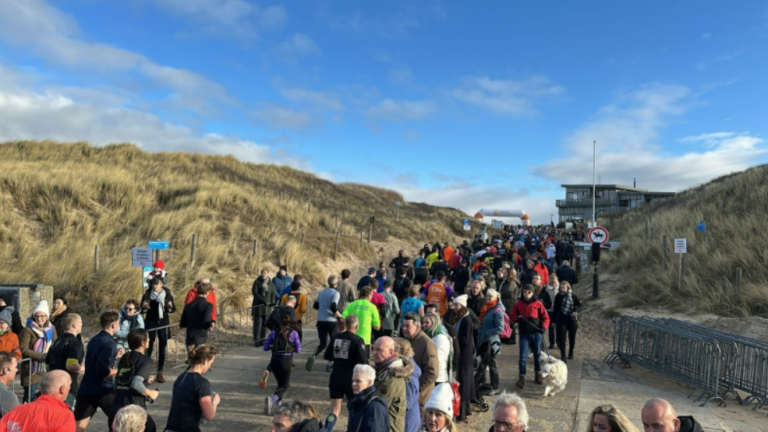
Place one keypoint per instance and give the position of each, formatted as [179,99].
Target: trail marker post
[398,211]
[598,236]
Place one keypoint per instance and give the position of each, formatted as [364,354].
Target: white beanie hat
[42,307]
[462,300]
[441,399]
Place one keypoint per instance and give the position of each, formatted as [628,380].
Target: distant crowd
[415,351]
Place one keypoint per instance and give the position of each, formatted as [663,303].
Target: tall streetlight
[594,184]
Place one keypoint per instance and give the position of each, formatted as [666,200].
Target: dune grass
[734,209]
[58,201]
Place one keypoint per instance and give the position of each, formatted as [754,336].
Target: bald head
[383,349]
[56,384]
[658,415]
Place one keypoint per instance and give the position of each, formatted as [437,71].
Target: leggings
[569,326]
[281,366]
[325,330]
[162,335]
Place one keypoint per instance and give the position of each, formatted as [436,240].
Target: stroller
[483,388]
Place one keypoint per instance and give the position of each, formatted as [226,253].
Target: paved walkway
[591,383]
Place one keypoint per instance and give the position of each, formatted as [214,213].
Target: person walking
[431,324]
[565,315]
[465,329]
[509,291]
[489,342]
[157,304]
[283,342]
[390,312]
[197,317]
[35,341]
[532,321]
[261,306]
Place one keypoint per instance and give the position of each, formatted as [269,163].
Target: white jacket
[444,345]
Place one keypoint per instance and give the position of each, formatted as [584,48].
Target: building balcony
[586,202]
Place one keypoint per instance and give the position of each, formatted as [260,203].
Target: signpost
[467,226]
[598,236]
[398,210]
[681,248]
[159,244]
[141,257]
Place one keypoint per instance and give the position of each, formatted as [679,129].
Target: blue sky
[449,103]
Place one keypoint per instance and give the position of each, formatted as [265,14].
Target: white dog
[554,372]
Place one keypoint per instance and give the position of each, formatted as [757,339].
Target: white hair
[366,372]
[130,418]
[512,399]
[492,293]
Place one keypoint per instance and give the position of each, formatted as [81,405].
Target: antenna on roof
[634,182]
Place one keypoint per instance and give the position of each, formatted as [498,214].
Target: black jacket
[439,266]
[567,274]
[689,424]
[197,316]
[368,413]
[152,316]
[526,277]
[556,314]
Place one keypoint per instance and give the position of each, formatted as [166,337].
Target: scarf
[159,297]
[134,320]
[58,311]
[567,306]
[43,342]
[385,364]
[437,327]
[488,305]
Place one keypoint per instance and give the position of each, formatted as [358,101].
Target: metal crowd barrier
[747,362]
[680,354]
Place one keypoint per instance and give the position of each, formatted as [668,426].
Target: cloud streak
[506,98]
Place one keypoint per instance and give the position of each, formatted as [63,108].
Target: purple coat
[412,413]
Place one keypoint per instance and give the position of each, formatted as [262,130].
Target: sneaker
[329,367]
[263,380]
[310,363]
[268,406]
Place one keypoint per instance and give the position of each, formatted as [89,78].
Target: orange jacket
[447,252]
[542,270]
[9,342]
[301,303]
[46,414]
[192,294]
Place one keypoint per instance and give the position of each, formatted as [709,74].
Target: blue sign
[466,221]
[398,204]
[701,226]
[159,245]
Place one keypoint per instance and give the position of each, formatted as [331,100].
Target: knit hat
[371,270]
[441,399]
[462,300]
[42,307]
[159,264]
[6,316]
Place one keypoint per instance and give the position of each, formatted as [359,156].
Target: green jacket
[390,385]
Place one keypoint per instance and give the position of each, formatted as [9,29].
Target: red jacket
[46,414]
[192,294]
[542,270]
[530,316]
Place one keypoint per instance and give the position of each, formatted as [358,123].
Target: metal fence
[746,362]
[680,354]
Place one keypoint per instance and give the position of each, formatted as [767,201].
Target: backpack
[282,342]
[507,332]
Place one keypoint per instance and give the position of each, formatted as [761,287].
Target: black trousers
[162,336]
[325,329]
[281,366]
[259,328]
[570,326]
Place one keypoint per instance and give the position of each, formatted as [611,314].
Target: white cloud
[299,44]
[275,117]
[49,114]
[323,100]
[55,36]
[402,110]
[227,18]
[627,140]
[506,98]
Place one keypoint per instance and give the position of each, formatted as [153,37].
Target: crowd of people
[412,352]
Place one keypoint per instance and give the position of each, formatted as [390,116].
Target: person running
[532,321]
[347,291]
[134,371]
[158,304]
[192,399]
[327,316]
[97,389]
[347,350]
[283,342]
[67,353]
[301,302]
[439,292]
[412,303]
[367,314]
[391,310]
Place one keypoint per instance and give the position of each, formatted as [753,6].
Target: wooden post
[302,239]
[647,226]
[255,247]
[738,278]
[337,222]
[309,207]
[682,270]
[705,229]
[361,238]
[336,246]
[96,259]
[156,254]
[194,250]
[398,213]
[370,229]
[664,241]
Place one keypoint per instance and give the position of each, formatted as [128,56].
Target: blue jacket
[126,325]
[412,414]
[368,414]
[281,284]
[492,325]
[99,359]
